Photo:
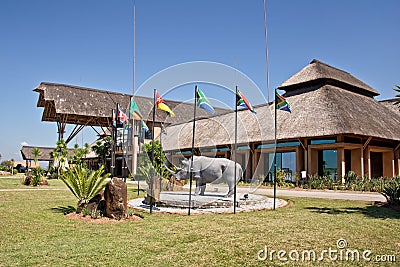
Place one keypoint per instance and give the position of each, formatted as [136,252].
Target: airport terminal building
[335,125]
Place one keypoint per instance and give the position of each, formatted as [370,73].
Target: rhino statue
[208,170]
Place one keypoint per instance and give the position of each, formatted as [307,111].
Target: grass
[35,233]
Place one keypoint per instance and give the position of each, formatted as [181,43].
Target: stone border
[261,203]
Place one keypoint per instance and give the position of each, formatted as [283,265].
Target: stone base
[178,202]
[209,200]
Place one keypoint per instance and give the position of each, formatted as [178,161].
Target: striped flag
[160,104]
[243,102]
[281,103]
[134,110]
[121,115]
[203,102]
[144,126]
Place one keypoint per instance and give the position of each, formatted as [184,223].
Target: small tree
[102,148]
[80,153]
[159,158]
[60,156]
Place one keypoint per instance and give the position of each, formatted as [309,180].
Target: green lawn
[34,233]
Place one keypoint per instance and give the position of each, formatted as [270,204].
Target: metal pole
[152,152]
[138,156]
[235,151]
[266,47]
[134,46]
[275,112]
[191,160]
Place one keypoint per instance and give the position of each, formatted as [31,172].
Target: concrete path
[326,194]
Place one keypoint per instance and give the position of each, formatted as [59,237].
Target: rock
[97,203]
[116,199]
[28,179]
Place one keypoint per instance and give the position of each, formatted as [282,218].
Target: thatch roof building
[335,125]
[45,153]
[334,121]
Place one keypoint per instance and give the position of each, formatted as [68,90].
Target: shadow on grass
[374,211]
[64,210]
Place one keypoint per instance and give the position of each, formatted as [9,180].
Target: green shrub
[391,191]
[83,183]
[321,182]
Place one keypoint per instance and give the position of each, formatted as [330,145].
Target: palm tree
[36,153]
[397,89]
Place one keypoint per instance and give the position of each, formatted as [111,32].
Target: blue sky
[90,43]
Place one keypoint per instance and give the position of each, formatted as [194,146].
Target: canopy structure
[80,106]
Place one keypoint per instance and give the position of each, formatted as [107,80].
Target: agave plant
[84,183]
[391,191]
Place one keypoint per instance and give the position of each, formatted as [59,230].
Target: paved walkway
[326,194]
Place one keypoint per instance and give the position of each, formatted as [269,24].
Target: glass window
[323,141]
[285,161]
[327,163]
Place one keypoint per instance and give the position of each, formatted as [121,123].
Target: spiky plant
[397,89]
[84,183]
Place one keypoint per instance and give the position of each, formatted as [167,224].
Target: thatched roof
[318,72]
[220,130]
[391,104]
[330,110]
[319,110]
[27,153]
[87,106]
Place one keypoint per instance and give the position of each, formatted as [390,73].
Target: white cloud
[23,143]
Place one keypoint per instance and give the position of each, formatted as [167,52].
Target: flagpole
[138,155]
[235,152]
[114,115]
[134,46]
[191,160]
[266,47]
[152,152]
[161,172]
[123,165]
[275,118]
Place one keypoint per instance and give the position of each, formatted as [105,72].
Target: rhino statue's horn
[171,171]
